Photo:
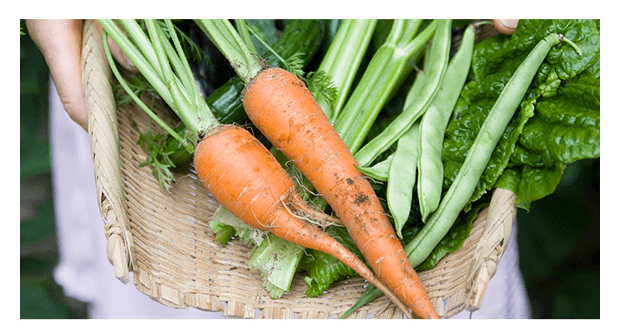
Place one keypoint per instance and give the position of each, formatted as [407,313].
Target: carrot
[247,180]
[283,109]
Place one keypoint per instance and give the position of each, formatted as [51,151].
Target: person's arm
[60,42]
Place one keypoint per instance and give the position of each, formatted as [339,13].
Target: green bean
[433,125]
[477,159]
[380,171]
[416,88]
[402,176]
[435,69]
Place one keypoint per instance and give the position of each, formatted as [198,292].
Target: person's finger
[506,26]
[119,55]
[60,43]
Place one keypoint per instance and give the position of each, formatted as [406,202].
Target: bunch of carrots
[323,138]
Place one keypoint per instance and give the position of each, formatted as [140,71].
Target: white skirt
[85,273]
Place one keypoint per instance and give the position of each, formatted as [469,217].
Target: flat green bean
[435,69]
[433,124]
[416,88]
[402,177]
[477,159]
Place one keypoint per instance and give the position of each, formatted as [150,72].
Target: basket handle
[104,141]
[494,242]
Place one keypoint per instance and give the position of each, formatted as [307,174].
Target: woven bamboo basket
[165,240]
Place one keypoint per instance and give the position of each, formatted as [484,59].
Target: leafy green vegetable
[223,218]
[323,269]
[559,118]
[158,158]
[567,126]
[223,232]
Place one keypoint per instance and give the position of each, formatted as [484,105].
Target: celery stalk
[342,61]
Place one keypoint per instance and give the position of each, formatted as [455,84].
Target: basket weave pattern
[164,238]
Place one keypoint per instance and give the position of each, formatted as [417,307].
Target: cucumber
[226,102]
[179,154]
[304,36]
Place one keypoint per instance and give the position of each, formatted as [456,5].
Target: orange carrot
[283,109]
[247,180]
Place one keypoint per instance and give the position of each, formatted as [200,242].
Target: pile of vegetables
[434,125]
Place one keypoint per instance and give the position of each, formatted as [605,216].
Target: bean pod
[435,70]
[433,125]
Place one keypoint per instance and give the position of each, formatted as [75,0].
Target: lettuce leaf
[567,126]
[323,269]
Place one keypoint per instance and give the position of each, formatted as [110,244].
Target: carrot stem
[131,93]
[244,33]
[164,66]
[246,63]
[143,60]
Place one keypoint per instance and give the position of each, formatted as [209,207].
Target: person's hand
[60,42]
[506,26]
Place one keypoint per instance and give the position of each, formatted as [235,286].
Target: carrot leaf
[157,158]
[321,86]
[293,64]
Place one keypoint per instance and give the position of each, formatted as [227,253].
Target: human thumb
[119,55]
[506,26]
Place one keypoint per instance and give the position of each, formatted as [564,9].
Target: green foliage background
[559,239]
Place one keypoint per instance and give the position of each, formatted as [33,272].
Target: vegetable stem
[153,54]
[131,93]
[572,44]
[244,33]
[246,63]
[342,61]
[142,60]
